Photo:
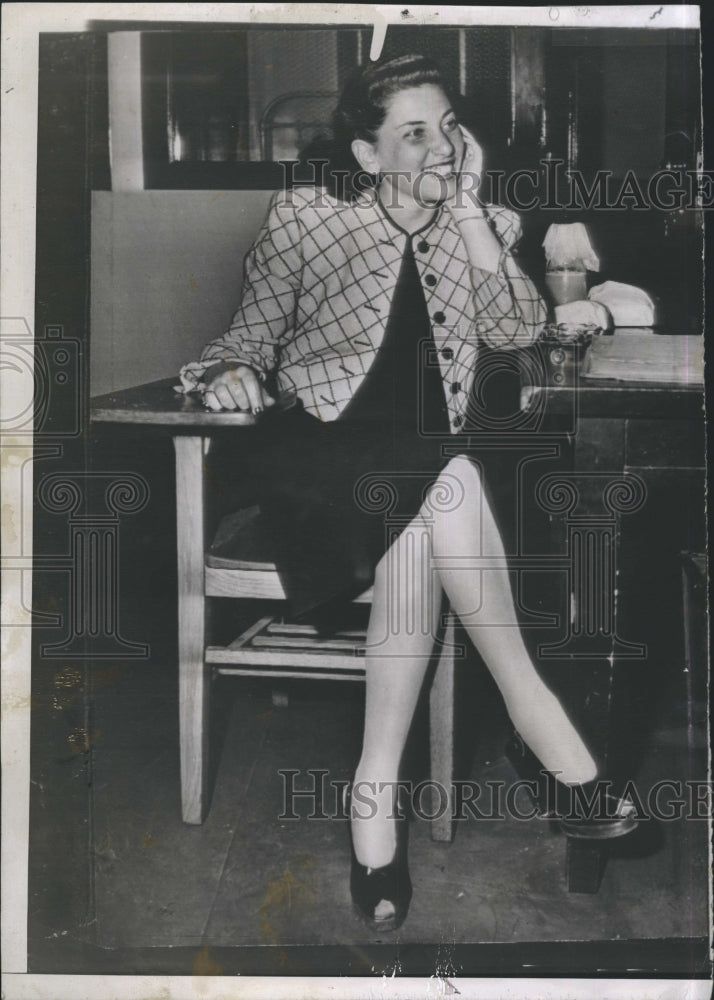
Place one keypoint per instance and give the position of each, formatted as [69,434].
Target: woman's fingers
[250,385]
[258,398]
[473,154]
[237,389]
[232,395]
[210,400]
[474,158]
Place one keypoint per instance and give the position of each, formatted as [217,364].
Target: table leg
[194,675]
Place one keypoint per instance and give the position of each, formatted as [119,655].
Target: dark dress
[335,494]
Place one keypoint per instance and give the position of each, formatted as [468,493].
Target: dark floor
[247,878]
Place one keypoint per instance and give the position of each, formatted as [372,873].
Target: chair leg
[441,736]
[194,675]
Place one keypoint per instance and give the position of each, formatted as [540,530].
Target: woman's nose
[442,145]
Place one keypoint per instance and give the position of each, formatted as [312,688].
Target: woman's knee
[456,490]
[466,471]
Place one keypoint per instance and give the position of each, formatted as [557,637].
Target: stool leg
[441,736]
[194,676]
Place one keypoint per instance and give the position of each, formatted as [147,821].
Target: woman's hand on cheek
[464,202]
[237,388]
[472,162]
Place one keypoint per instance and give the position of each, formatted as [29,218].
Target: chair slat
[239,671]
[286,628]
[283,657]
[305,642]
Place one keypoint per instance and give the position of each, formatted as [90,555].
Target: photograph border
[22,25]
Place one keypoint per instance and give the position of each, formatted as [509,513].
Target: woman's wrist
[218,369]
[473,224]
[482,245]
[225,366]
[463,208]
[469,215]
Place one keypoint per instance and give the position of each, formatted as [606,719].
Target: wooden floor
[247,879]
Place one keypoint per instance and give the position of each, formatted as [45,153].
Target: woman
[371,307]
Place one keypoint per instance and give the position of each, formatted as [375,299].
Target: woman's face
[419,147]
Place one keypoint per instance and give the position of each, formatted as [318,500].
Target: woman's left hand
[473,155]
[464,202]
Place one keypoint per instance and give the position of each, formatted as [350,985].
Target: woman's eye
[450,125]
[415,133]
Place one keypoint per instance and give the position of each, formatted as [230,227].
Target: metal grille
[291,121]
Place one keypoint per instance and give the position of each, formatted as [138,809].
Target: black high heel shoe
[390,883]
[584,811]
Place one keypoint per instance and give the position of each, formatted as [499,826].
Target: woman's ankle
[373,813]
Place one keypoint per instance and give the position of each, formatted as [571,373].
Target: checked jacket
[319,282]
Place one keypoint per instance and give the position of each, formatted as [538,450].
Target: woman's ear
[365,155]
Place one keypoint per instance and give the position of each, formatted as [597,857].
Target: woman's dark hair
[360,111]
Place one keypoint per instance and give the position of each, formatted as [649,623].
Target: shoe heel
[608,818]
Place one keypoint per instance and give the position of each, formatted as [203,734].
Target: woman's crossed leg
[452,546]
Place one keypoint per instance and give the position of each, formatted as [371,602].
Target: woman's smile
[443,169]
[419,147]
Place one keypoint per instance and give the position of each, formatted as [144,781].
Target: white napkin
[629,305]
[568,245]
[584,311]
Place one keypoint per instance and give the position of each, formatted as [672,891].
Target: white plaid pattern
[319,283]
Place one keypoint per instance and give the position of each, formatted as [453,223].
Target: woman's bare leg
[463,529]
[400,640]
[441,549]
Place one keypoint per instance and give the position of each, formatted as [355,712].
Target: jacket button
[455,387]
[439,317]
[458,420]
[430,279]
[422,246]
[447,354]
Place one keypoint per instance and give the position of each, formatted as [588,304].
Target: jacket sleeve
[265,319]
[509,311]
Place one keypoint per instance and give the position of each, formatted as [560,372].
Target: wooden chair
[270,647]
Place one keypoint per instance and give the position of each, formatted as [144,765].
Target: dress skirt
[334,495]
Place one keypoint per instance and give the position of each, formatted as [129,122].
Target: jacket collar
[370,199]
